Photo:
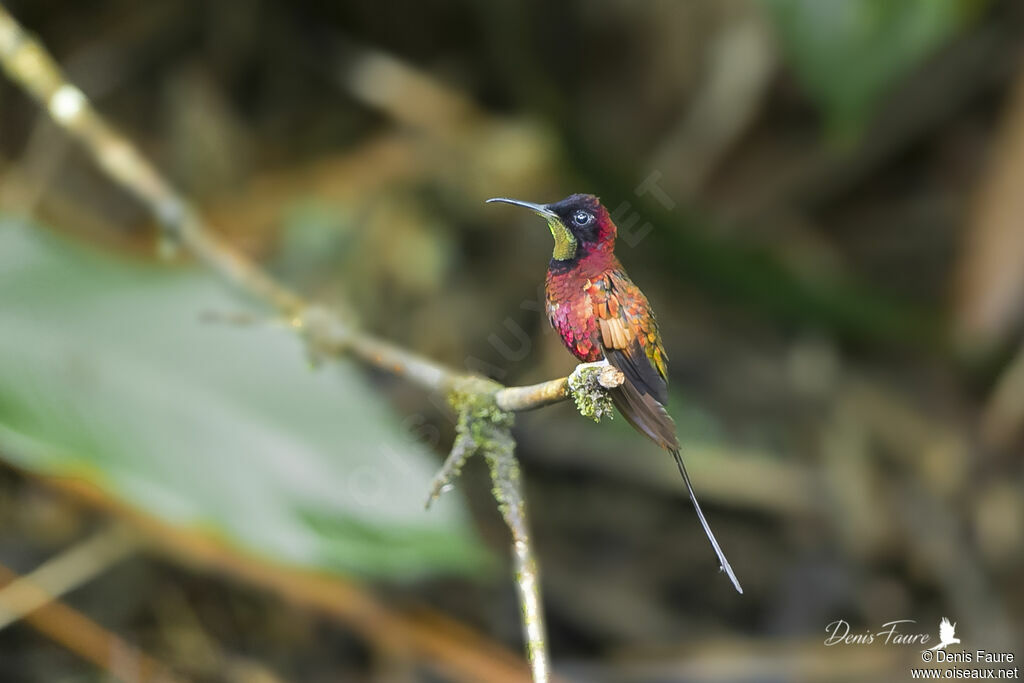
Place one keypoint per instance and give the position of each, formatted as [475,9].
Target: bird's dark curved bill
[539,209]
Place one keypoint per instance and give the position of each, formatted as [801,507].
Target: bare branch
[586,380]
[486,406]
[508,491]
[28,63]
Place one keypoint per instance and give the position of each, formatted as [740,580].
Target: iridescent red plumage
[579,298]
[599,313]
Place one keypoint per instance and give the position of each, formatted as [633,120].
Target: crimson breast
[571,313]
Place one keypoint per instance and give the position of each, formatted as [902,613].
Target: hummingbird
[600,314]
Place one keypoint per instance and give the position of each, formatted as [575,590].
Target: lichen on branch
[481,427]
[589,385]
[486,428]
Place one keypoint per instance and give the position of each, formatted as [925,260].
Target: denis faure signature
[892,633]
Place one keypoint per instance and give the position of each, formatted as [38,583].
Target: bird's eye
[582,217]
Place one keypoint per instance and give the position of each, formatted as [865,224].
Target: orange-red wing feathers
[630,339]
[627,326]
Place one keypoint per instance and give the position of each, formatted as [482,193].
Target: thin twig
[26,61]
[452,467]
[64,573]
[78,633]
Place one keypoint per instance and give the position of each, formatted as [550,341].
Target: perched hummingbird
[600,314]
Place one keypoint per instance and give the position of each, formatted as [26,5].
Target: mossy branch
[485,419]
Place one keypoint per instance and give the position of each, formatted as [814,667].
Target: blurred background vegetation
[836,255]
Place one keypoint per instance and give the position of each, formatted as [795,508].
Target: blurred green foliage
[847,53]
[108,373]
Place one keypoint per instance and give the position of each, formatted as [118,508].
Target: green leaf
[107,372]
[848,53]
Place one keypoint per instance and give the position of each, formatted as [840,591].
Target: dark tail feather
[725,566]
[645,413]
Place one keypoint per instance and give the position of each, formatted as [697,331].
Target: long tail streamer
[723,562]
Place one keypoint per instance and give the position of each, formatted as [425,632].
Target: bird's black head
[579,224]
